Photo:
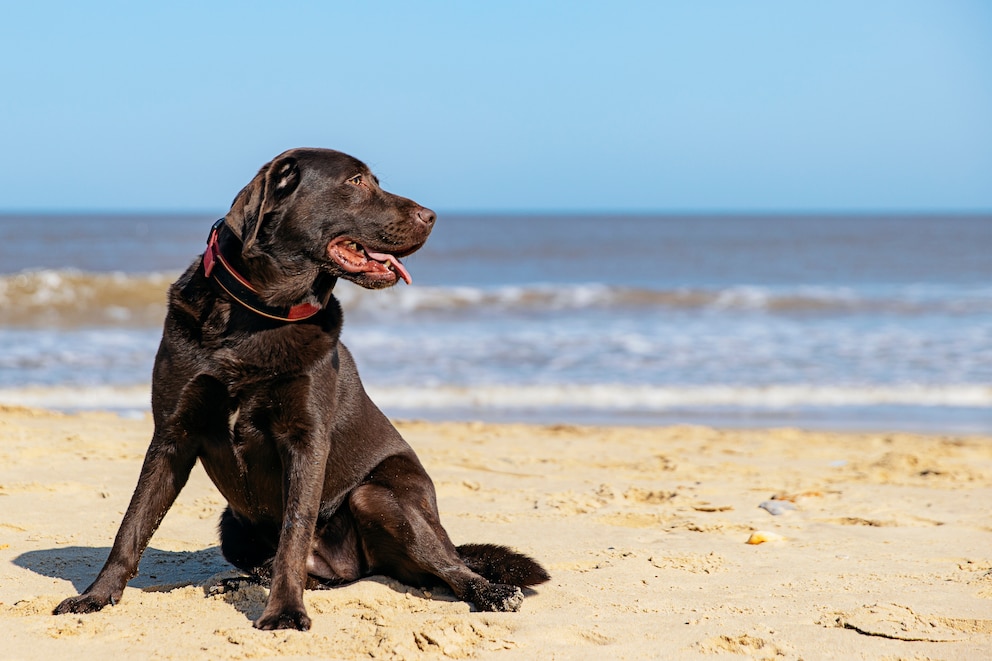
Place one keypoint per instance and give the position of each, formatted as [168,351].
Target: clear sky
[746,105]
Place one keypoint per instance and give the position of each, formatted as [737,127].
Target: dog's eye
[357,180]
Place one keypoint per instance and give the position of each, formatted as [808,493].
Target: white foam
[90,398]
[751,298]
[600,397]
[70,298]
[655,398]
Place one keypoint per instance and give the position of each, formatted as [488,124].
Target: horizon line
[800,212]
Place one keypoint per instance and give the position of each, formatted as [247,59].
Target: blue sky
[504,106]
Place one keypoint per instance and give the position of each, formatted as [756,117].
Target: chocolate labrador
[252,380]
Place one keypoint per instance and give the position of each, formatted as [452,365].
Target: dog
[251,379]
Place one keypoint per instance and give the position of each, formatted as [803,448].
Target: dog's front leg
[303,447]
[170,457]
[166,468]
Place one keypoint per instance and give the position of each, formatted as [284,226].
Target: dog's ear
[273,184]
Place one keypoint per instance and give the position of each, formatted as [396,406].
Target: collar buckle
[212,253]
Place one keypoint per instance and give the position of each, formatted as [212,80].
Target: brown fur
[321,488]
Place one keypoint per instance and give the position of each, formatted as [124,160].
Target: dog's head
[318,210]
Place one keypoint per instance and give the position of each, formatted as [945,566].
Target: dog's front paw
[84,603]
[497,597]
[286,618]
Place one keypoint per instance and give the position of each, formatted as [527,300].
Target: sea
[849,322]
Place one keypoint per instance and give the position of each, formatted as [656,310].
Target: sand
[886,549]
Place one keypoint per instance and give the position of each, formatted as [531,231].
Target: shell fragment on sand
[777,507]
[762,536]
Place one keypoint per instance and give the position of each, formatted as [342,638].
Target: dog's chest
[276,354]
[245,464]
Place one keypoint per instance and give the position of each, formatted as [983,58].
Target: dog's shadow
[158,570]
[166,570]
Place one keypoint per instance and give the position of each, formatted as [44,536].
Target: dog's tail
[499,564]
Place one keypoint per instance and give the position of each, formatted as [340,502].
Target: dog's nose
[426,216]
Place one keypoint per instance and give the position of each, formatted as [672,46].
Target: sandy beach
[885,549]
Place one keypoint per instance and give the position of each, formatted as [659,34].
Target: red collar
[241,290]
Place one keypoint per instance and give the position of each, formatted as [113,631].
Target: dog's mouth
[353,257]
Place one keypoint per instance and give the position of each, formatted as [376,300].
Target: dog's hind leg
[396,514]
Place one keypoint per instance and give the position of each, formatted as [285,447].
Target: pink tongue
[397,264]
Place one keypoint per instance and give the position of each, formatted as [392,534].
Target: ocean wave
[742,298]
[69,299]
[599,397]
[135,398]
[618,397]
